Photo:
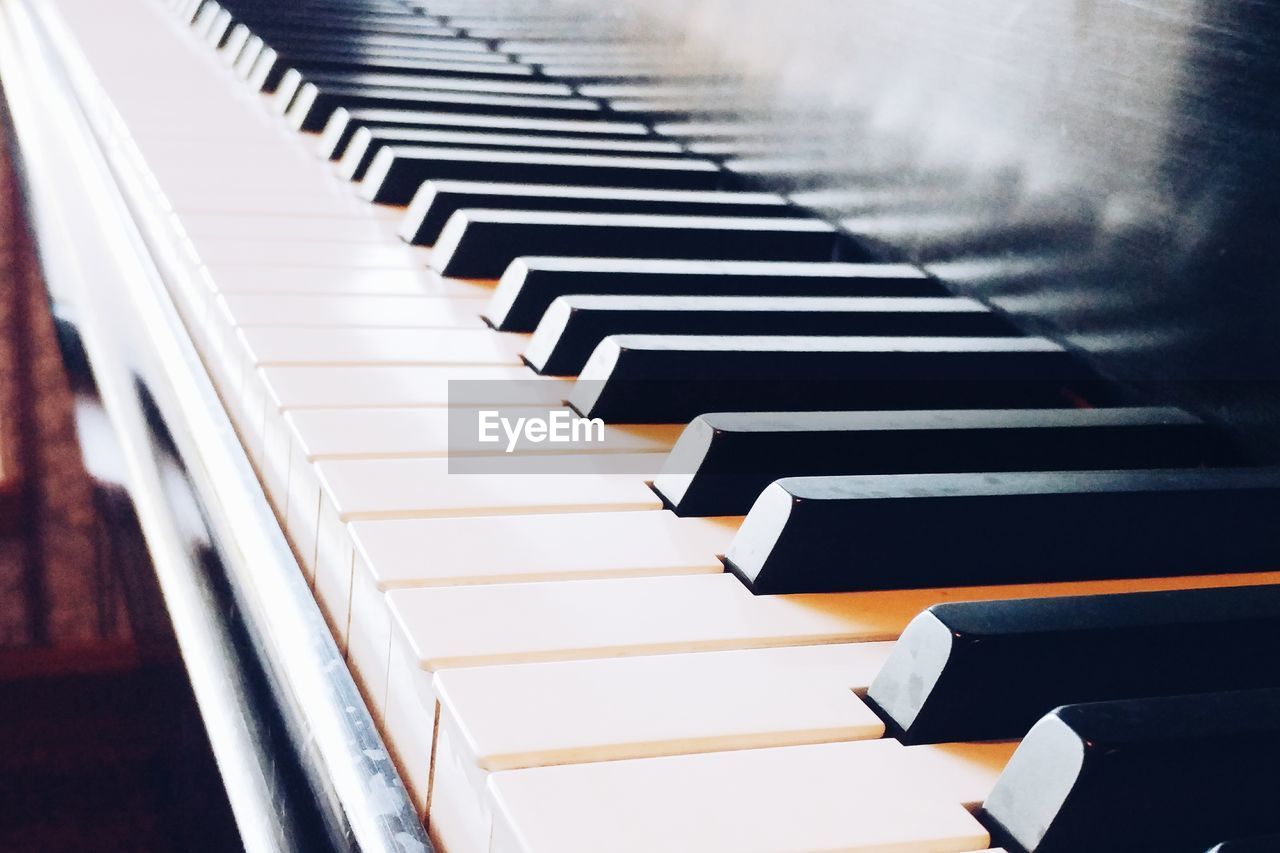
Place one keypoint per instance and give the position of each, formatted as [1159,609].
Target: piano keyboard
[878,535]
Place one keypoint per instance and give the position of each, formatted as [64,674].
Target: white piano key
[290,309]
[353,229]
[286,253]
[264,346]
[576,620]
[537,715]
[284,345]
[312,280]
[864,796]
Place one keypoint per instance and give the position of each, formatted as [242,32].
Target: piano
[701,426]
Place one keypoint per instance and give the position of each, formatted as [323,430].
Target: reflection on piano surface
[934,508]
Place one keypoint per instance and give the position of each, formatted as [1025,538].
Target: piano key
[1256,844]
[344,124]
[868,795]
[366,143]
[575,712]
[574,325]
[283,253]
[395,173]
[357,38]
[309,280]
[990,670]
[531,284]
[286,27]
[490,624]
[1070,786]
[670,378]
[352,229]
[436,201]
[520,549]
[382,386]
[265,70]
[537,715]
[420,432]
[266,346]
[481,243]
[724,460]
[313,105]
[311,61]
[823,534]
[422,312]
[293,80]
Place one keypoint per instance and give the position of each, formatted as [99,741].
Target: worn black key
[313,105]
[345,125]
[574,325]
[365,145]
[436,201]
[988,670]
[481,243]
[531,284]
[830,534]
[396,173]
[1171,774]
[675,378]
[293,80]
[722,461]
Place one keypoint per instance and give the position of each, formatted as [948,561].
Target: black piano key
[574,325]
[365,145]
[286,25]
[344,126]
[830,534]
[313,105]
[481,243]
[531,284]
[1170,774]
[436,201]
[357,35]
[396,173]
[722,461]
[673,378]
[272,62]
[988,670]
[293,80]
[1254,844]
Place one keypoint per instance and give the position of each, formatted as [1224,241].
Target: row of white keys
[497,639]
[346,465]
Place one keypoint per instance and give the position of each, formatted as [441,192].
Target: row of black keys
[853,357]
[1082,763]
[1149,721]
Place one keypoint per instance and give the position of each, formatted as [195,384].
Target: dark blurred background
[101,745]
